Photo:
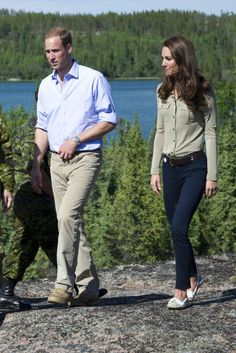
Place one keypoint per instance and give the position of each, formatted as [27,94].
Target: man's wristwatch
[76,140]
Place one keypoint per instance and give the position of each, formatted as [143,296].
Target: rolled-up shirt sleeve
[42,120]
[104,104]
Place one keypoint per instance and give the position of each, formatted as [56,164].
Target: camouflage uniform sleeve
[6,158]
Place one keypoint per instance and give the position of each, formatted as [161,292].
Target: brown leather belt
[78,152]
[183,160]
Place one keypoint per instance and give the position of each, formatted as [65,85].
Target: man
[35,218]
[6,175]
[6,167]
[75,109]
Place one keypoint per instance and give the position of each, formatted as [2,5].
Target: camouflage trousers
[35,227]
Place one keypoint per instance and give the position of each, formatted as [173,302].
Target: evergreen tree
[214,227]
[221,219]
[138,217]
[99,211]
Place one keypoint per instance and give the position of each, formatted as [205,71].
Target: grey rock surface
[132,317]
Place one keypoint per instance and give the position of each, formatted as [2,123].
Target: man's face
[58,56]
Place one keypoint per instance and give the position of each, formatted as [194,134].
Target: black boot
[8,286]
[8,300]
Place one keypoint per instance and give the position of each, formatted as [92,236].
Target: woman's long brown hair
[189,84]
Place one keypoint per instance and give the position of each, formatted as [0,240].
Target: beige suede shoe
[59,296]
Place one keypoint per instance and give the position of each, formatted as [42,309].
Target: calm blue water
[131,97]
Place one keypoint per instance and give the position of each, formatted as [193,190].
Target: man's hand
[67,150]
[36,180]
[7,200]
[156,183]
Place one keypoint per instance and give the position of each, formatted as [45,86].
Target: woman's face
[168,62]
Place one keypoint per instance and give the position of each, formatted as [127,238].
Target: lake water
[131,97]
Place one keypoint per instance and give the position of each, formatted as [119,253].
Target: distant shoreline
[15,80]
[134,78]
[12,79]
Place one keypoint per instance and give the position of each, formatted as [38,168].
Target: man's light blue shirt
[84,100]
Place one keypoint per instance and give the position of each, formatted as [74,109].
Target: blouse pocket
[165,111]
[185,115]
[164,106]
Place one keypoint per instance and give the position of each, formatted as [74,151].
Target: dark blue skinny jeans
[183,188]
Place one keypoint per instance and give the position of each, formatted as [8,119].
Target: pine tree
[222,214]
[138,215]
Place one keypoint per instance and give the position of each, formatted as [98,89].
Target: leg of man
[35,226]
[33,213]
[47,239]
[85,283]
[22,251]
[72,181]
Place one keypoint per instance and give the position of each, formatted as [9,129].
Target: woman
[186,119]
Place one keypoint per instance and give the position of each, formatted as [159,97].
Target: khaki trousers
[72,182]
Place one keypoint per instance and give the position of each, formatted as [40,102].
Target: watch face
[76,140]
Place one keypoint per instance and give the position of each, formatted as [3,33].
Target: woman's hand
[156,183]
[211,188]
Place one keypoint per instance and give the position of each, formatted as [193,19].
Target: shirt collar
[73,73]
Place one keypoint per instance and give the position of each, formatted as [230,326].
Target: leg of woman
[183,189]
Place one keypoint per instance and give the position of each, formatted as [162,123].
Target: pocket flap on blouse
[164,105]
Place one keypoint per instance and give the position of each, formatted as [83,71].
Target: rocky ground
[132,317]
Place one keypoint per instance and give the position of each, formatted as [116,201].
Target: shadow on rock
[224,296]
[41,303]
[133,299]
[2,318]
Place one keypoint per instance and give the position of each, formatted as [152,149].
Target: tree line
[125,220]
[119,45]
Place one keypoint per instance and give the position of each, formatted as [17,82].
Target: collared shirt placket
[174,127]
[63,88]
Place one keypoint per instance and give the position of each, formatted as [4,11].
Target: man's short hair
[64,35]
